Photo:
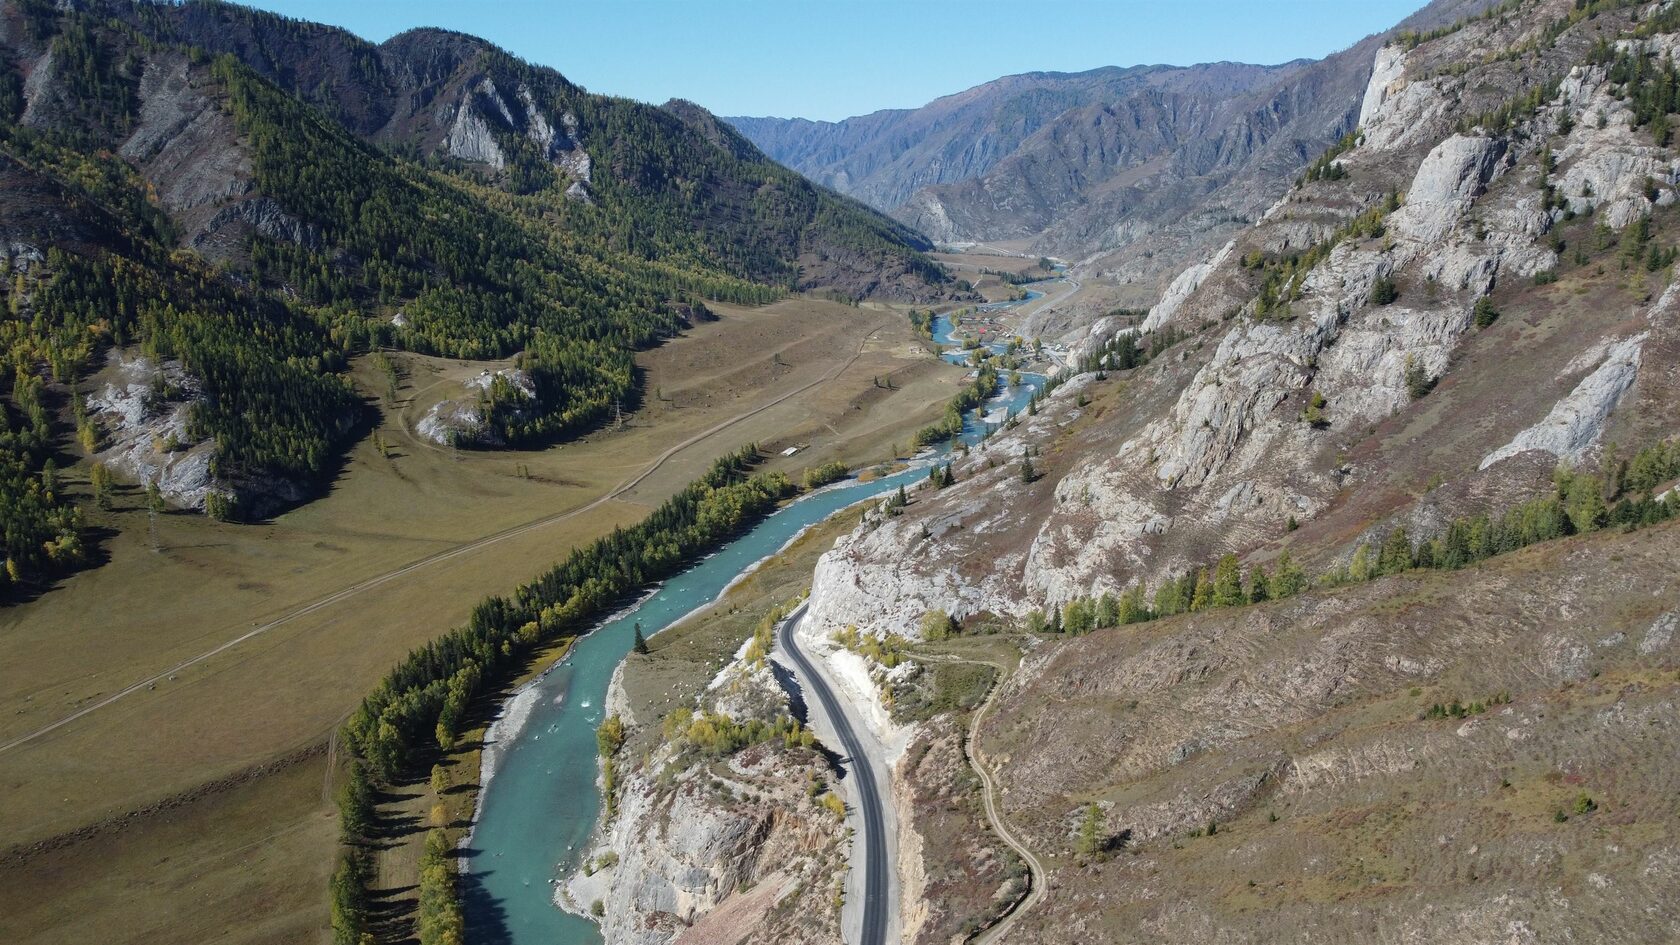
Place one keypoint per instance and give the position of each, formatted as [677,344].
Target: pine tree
[1361,569]
[1203,597]
[1091,840]
[1418,381]
[1584,502]
[640,646]
[1384,291]
[1134,607]
[1485,313]
[1288,579]
[1314,414]
[1108,611]
[1227,583]
[1396,552]
[99,477]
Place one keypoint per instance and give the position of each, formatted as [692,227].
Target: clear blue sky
[837,58]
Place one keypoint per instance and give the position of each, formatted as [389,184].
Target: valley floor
[238,740]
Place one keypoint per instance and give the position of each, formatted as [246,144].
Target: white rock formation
[470,136]
[1576,423]
[1221,463]
[484,112]
[146,432]
[1182,287]
[1386,70]
[693,836]
[463,419]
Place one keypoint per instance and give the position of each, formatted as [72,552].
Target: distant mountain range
[1133,169]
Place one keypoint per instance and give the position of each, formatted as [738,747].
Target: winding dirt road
[1038,885]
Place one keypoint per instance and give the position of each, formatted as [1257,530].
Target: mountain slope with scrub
[1339,574]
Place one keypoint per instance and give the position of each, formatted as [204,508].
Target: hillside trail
[439,557]
[1038,885]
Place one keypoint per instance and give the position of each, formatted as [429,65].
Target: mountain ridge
[224,206]
[1128,187]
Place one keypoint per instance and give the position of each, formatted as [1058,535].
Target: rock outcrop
[465,421]
[1576,423]
[484,116]
[715,833]
[143,407]
[707,848]
[1213,453]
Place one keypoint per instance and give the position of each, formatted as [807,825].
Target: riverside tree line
[418,707]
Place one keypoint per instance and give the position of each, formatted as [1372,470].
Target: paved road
[876,869]
[436,558]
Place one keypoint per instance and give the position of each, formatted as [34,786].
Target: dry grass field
[798,372]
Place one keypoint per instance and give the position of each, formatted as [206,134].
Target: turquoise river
[536,817]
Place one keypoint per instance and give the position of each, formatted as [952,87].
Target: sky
[836,58]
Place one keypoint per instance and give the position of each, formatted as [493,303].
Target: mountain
[884,157]
[214,209]
[1331,599]
[1131,171]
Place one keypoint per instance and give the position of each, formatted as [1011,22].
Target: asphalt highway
[876,869]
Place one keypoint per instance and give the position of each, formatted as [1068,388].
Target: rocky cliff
[1469,296]
[1206,450]
[717,846]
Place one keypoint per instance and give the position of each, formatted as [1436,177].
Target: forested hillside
[246,202]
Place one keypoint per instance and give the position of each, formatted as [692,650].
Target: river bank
[536,819]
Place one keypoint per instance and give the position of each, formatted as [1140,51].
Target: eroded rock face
[724,850]
[1218,455]
[1576,423]
[181,141]
[470,135]
[484,114]
[1606,166]
[684,849]
[143,409]
[263,215]
[465,420]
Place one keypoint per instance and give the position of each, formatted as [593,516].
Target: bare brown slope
[1339,812]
